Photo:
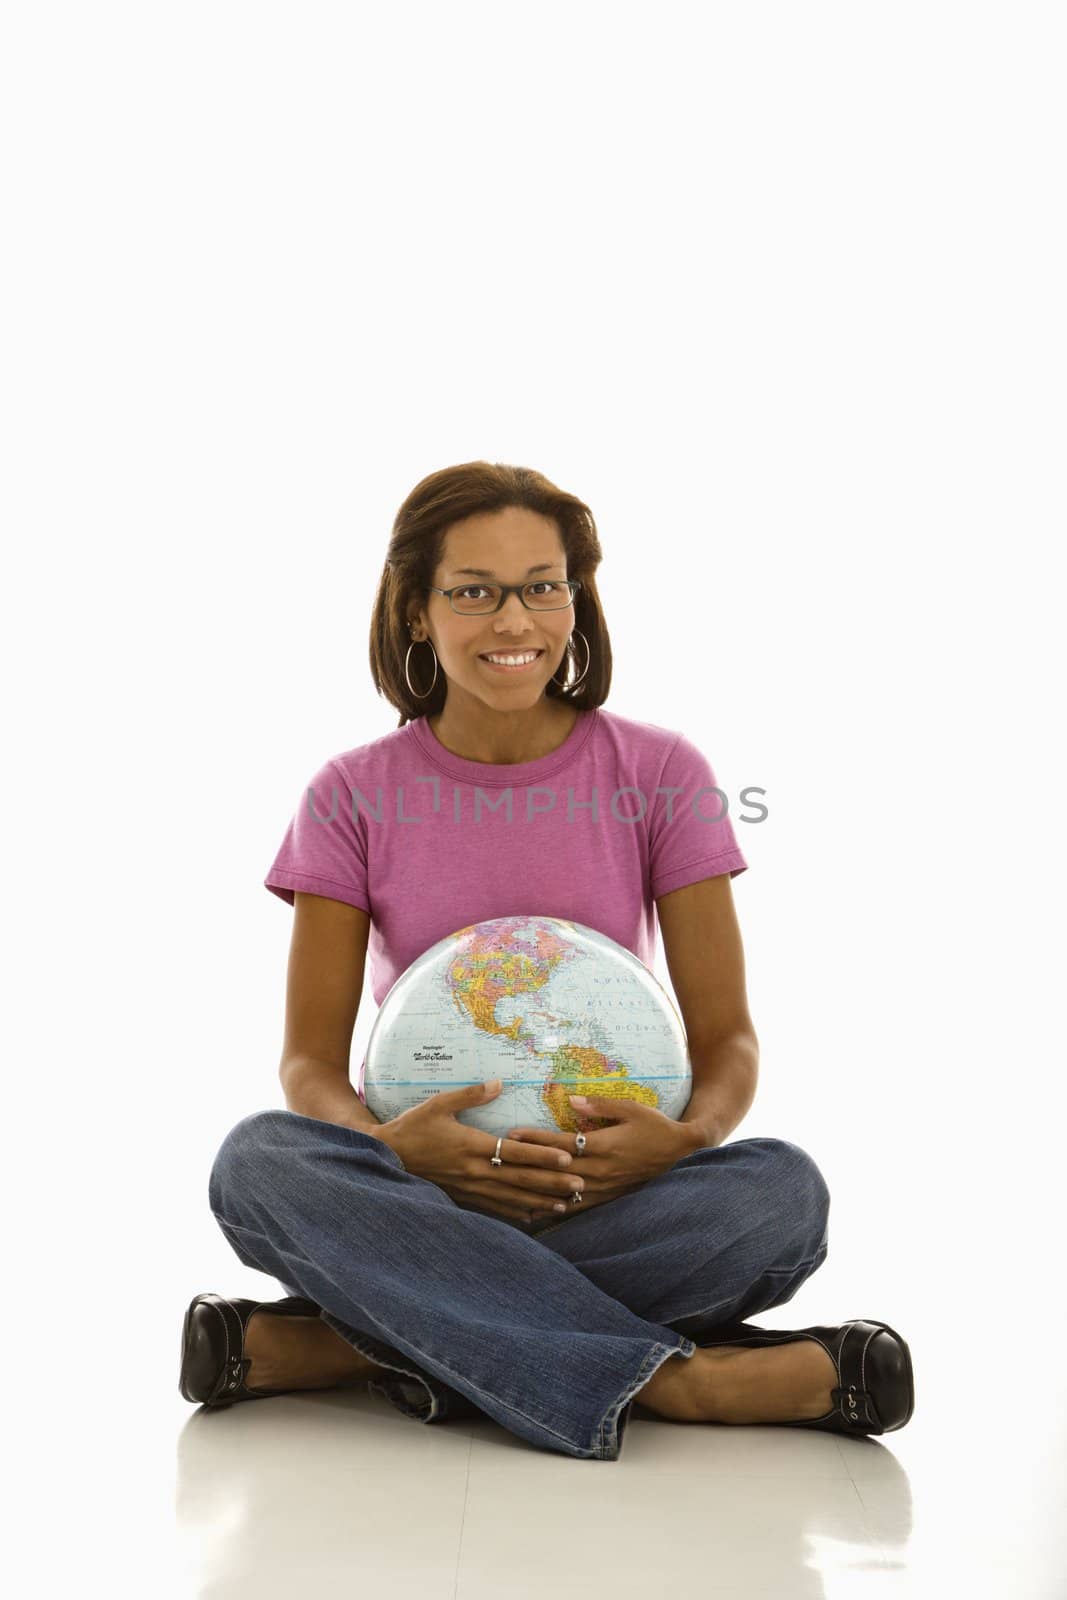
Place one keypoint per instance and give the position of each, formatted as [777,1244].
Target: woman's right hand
[432,1144]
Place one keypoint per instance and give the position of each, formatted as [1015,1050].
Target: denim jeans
[550,1329]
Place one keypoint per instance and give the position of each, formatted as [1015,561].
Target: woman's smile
[513,655]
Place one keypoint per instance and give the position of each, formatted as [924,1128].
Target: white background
[778,291]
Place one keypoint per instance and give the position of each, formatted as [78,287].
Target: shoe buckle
[855,1405]
[236,1372]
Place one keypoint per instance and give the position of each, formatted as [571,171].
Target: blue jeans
[550,1329]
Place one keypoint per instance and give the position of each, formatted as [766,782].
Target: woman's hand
[620,1159]
[432,1144]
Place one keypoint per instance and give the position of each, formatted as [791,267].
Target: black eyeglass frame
[574,584]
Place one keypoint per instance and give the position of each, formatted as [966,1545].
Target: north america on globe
[551,1007]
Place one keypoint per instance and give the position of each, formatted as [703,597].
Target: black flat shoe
[213,1364]
[876,1390]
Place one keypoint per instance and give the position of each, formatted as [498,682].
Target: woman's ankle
[301,1353]
[741,1384]
[667,1392]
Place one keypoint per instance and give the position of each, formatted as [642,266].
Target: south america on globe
[550,1007]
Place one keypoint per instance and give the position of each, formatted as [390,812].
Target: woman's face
[510,546]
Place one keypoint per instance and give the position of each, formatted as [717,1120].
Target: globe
[552,1008]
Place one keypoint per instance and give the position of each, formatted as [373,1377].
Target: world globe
[552,1008]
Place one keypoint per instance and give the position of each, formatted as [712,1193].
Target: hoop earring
[567,687]
[407,674]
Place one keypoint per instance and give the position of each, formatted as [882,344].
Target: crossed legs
[780,1383]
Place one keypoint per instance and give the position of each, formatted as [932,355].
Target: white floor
[334,1487]
[338,1491]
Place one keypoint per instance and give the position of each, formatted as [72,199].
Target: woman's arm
[316,1089]
[327,955]
[705,958]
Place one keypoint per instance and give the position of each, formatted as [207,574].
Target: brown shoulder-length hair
[415,547]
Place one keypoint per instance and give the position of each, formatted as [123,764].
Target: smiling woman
[488,561]
[488,637]
[498,635]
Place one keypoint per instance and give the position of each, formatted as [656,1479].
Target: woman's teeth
[513,661]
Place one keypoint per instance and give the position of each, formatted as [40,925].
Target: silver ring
[579,1143]
[579,1140]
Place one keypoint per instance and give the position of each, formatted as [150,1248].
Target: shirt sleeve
[691,835]
[324,851]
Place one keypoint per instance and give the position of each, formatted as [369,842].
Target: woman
[421,1254]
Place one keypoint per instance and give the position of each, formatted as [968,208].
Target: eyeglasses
[479,599]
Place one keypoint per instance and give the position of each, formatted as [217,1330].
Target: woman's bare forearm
[319,1090]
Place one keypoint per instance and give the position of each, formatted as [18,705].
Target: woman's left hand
[616,1160]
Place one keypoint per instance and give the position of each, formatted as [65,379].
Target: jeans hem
[406,1397]
[612,1428]
[426,1399]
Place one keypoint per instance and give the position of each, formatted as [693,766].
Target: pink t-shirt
[427,842]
